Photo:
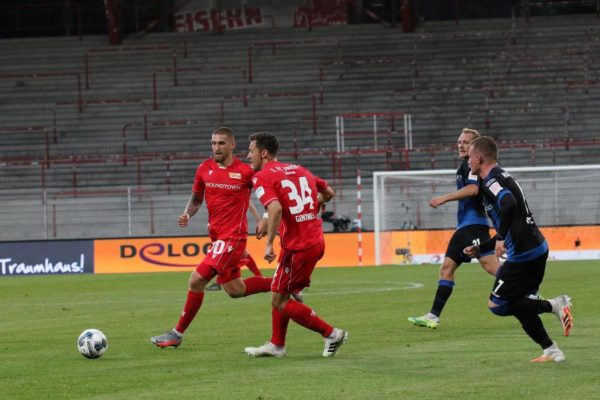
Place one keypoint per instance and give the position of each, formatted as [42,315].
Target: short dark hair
[266,141]
[486,147]
[225,131]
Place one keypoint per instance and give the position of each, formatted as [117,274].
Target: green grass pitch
[473,355]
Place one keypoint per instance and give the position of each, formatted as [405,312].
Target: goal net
[407,230]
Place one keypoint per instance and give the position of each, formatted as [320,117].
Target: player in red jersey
[292,197]
[225,183]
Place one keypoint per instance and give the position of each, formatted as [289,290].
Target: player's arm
[507,205]
[325,194]
[275,213]
[191,209]
[324,197]
[261,221]
[470,190]
[254,212]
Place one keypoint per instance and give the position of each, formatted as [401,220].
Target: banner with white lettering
[47,257]
[201,15]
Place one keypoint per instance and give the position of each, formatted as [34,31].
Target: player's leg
[275,347]
[509,297]
[466,236]
[251,264]
[561,307]
[199,278]
[285,309]
[526,312]
[305,316]
[442,294]
[229,273]
[293,274]
[239,287]
[452,260]
[216,286]
[247,261]
[481,234]
[490,263]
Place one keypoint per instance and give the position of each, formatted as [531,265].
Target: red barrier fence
[35,75]
[368,61]
[137,49]
[176,71]
[275,44]
[395,158]
[32,129]
[246,96]
[155,124]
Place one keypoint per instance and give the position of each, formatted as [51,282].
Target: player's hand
[436,201]
[472,251]
[269,253]
[500,249]
[183,220]
[320,203]
[321,207]
[262,227]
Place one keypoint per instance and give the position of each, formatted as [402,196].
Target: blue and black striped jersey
[507,207]
[470,210]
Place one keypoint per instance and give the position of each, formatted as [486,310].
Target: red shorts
[223,259]
[295,267]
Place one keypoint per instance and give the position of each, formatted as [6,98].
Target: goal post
[407,230]
[352,129]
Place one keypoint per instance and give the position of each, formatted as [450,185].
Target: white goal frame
[379,193]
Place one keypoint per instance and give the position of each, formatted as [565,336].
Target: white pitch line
[407,286]
[75,303]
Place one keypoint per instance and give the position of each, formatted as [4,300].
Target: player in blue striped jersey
[518,236]
[472,228]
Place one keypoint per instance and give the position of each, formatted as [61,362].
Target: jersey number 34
[300,196]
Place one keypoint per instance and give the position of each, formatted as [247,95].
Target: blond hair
[471,132]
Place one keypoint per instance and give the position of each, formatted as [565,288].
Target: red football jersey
[296,188]
[226,191]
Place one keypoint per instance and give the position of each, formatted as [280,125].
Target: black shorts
[465,237]
[518,279]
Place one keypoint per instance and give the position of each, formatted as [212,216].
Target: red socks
[192,305]
[257,284]
[279,327]
[305,316]
[251,264]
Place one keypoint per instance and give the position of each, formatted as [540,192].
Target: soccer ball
[92,343]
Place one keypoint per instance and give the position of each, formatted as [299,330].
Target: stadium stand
[103,141]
